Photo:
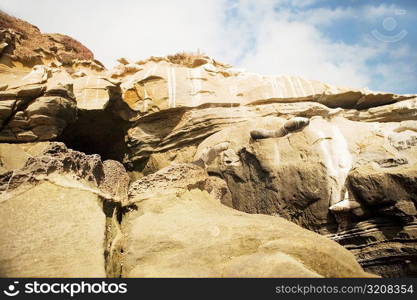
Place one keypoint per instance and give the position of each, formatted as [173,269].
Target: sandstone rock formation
[23,43]
[179,229]
[58,212]
[183,156]
[193,80]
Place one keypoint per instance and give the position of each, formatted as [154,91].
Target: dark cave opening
[97,132]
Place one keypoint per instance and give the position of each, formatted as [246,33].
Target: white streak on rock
[301,89]
[274,88]
[195,75]
[313,92]
[169,83]
[336,158]
[97,85]
[174,87]
[344,206]
[280,88]
[150,71]
[291,84]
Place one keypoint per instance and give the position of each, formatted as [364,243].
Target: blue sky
[356,43]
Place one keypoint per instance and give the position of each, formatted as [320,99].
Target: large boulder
[175,226]
[332,176]
[381,231]
[37,107]
[58,213]
[94,92]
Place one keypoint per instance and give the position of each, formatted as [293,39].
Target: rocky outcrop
[385,221]
[71,203]
[303,176]
[57,212]
[38,107]
[329,180]
[178,228]
[194,79]
[24,42]
[180,155]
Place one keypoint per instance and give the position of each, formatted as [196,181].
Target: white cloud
[289,43]
[298,49]
[265,36]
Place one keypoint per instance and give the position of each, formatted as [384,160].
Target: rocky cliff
[184,166]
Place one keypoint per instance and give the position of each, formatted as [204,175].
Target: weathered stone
[185,122]
[161,83]
[373,186]
[93,92]
[29,46]
[306,177]
[178,230]
[42,119]
[57,212]
[15,156]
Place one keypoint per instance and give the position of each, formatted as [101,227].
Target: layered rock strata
[204,152]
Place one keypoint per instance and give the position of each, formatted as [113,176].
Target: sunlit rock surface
[160,83]
[179,228]
[57,212]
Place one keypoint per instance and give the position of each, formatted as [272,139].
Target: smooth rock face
[297,176]
[55,212]
[181,231]
[337,177]
[93,92]
[54,231]
[15,156]
[160,83]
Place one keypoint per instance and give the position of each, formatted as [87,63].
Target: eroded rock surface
[193,80]
[57,213]
[336,176]
[179,228]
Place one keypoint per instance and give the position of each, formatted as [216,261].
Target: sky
[352,43]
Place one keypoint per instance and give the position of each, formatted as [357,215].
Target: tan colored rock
[190,81]
[375,185]
[382,234]
[29,46]
[43,119]
[297,176]
[116,180]
[182,231]
[332,176]
[15,156]
[57,213]
[174,134]
[167,132]
[52,231]
[348,173]
[92,92]
[37,107]
[397,112]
